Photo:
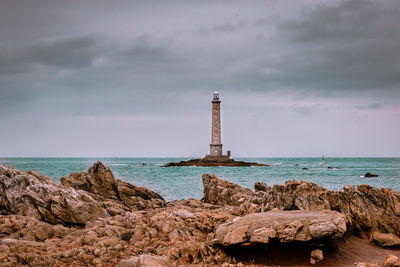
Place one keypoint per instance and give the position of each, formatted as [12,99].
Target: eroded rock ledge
[367,209]
[285,226]
[94,219]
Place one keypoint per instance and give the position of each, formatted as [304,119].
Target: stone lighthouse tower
[216,146]
[215,158]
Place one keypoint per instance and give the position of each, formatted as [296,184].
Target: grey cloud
[306,110]
[369,106]
[135,67]
[65,52]
[343,46]
[146,48]
[72,52]
[349,46]
[12,61]
[346,22]
[223,28]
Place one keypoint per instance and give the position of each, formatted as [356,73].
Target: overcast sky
[126,78]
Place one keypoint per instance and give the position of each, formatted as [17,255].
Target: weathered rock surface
[178,232]
[32,194]
[368,175]
[366,264]
[116,221]
[368,209]
[92,219]
[145,261]
[117,196]
[285,226]
[386,239]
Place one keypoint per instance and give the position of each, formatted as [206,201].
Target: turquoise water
[184,182]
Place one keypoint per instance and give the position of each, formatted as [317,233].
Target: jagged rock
[32,194]
[115,195]
[221,192]
[100,181]
[286,226]
[145,261]
[386,239]
[260,186]
[368,209]
[316,256]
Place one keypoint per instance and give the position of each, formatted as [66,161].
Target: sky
[104,78]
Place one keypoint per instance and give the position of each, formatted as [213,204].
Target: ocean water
[184,182]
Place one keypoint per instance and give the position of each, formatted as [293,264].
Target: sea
[175,183]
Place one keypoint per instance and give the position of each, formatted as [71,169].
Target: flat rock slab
[286,226]
[386,239]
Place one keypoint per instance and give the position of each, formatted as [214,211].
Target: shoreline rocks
[34,195]
[367,209]
[91,218]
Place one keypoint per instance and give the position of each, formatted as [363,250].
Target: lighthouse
[215,158]
[216,145]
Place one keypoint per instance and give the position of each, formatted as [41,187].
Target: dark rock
[260,186]
[304,168]
[368,174]
[210,161]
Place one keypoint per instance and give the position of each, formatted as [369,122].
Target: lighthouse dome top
[216,95]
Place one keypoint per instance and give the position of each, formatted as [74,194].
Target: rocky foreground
[93,219]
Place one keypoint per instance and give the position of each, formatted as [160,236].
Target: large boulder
[221,192]
[35,195]
[285,226]
[386,239]
[368,209]
[100,181]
